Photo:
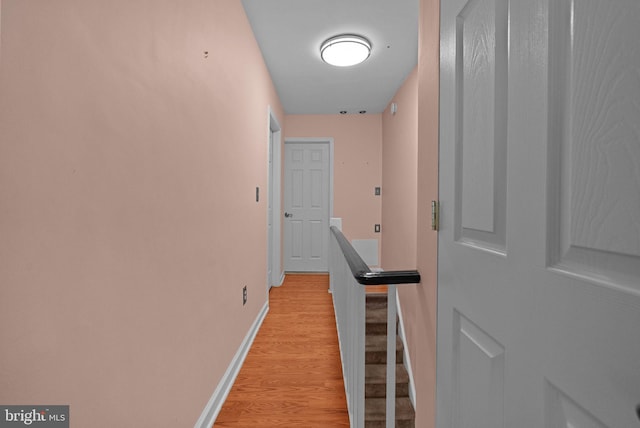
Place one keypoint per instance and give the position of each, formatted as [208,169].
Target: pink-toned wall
[128,165]
[357,168]
[419,303]
[400,178]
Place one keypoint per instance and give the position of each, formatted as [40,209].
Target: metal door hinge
[435,215]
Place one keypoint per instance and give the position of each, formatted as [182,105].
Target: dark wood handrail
[363,274]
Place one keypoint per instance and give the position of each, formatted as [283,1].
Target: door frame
[275,272]
[312,140]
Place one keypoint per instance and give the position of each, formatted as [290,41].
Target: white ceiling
[290,32]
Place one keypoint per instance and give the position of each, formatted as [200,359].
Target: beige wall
[128,220]
[357,166]
[400,178]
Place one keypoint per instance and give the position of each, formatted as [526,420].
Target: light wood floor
[292,376]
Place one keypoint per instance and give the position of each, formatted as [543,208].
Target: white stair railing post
[391,356]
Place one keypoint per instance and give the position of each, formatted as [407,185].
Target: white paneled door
[306,206]
[539,248]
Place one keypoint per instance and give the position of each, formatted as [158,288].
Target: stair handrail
[361,272]
[354,376]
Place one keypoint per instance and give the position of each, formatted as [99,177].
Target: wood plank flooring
[292,376]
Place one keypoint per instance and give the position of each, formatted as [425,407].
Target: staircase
[376,369]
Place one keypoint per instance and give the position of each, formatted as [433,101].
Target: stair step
[375,410]
[376,349]
[374,315]
[376,321]
[409,423]
[376,328]
[377,373]
[379,390]
[376,300]
[376,369]
[378,342]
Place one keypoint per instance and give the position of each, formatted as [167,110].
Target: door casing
[275,275]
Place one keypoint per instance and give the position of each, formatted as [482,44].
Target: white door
[306,206]
[539,249]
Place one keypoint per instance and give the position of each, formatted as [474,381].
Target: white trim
[213,407]
[281,280]
[407,359]
[274,178]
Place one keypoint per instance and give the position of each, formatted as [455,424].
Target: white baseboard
[407,359]
[281,281]
[213,407]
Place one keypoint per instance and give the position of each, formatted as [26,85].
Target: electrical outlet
[377,191]
[376,228]
[244,295]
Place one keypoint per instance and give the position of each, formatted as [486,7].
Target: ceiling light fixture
[345,50]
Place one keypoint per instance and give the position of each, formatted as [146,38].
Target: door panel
[563,412]
[541,330]
[296,240]
[297,185]
[595,139]
[478,375]
[316,230]
[306,200]
[481,127]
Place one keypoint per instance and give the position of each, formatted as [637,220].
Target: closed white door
[306,206]
[539,248]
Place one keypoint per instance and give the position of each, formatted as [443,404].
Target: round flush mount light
[345,50]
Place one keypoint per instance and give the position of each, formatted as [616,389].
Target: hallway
[292,375]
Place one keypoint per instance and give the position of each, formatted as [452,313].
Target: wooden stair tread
[376,349]
[376,368]
[378,342]
[375,409]
[409,423]
[377,373]
[376,301]
[379,390]
[376,315]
